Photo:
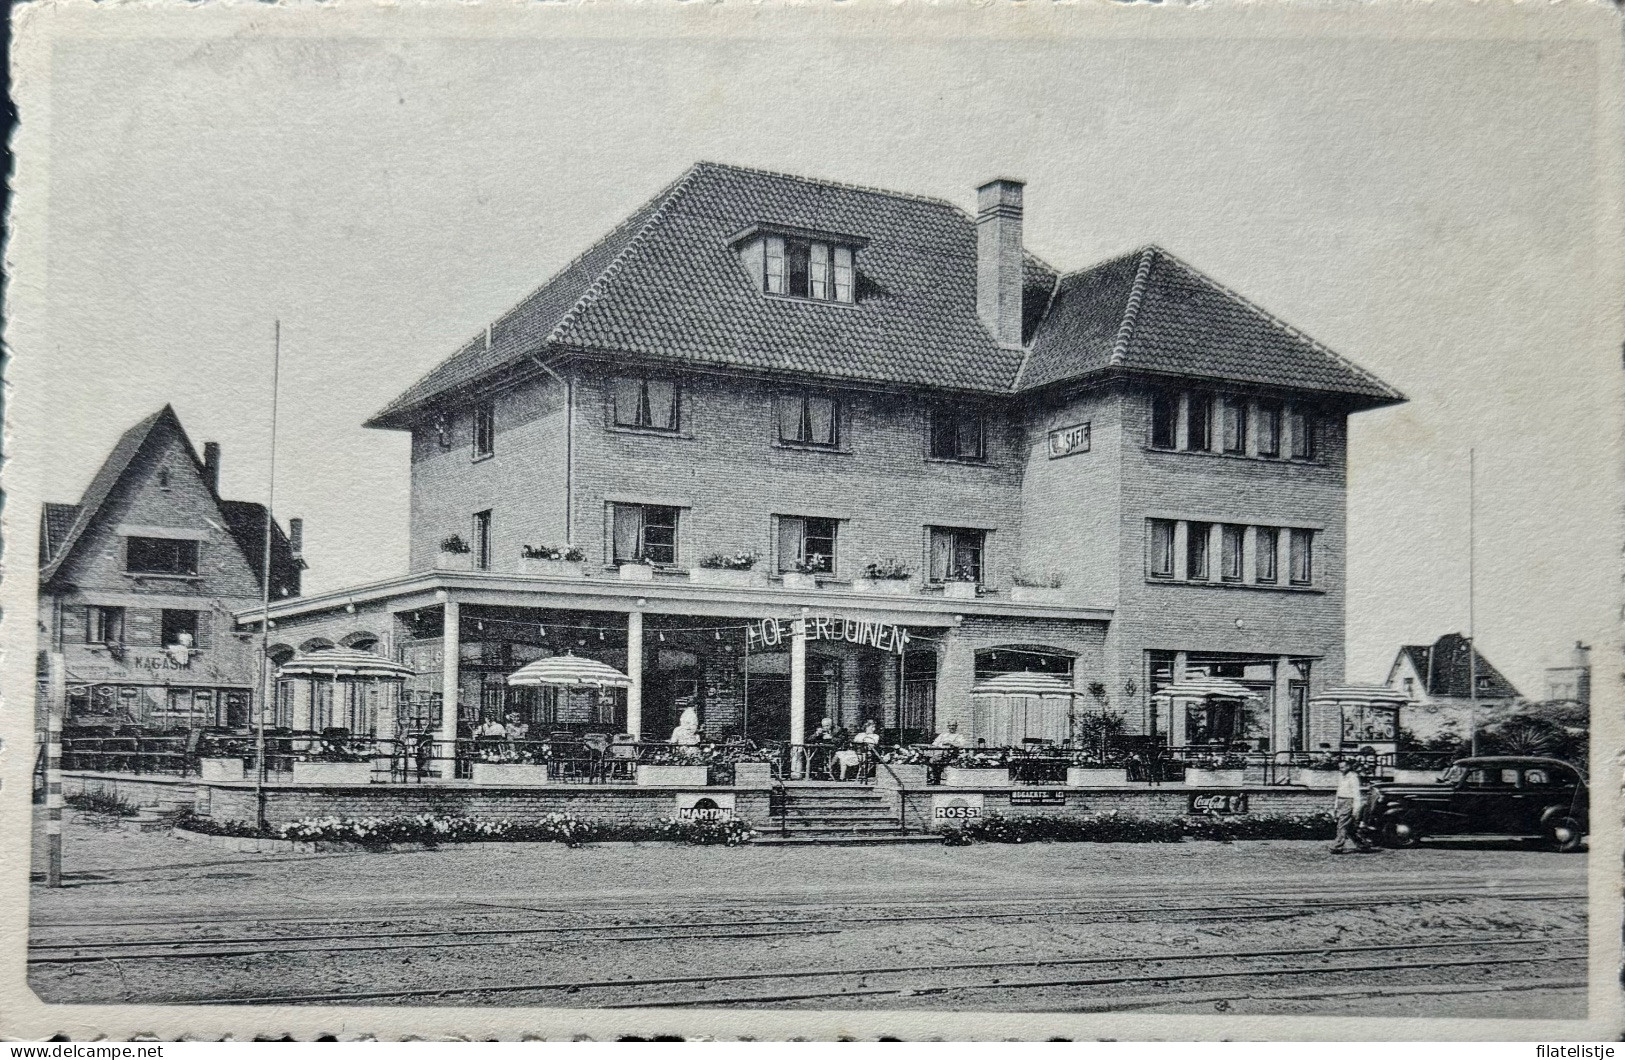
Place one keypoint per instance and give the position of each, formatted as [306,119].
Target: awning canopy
[342,662]
[1205,688]
[568,670]
[1362,695]
[1024,684]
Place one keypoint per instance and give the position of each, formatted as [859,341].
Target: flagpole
[265,588]
[1472,639]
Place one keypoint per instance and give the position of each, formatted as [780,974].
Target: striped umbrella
[1023,684]
[567,670]
[1205,688]
[1362,695]
[342,662]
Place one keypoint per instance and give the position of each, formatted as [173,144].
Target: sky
[1429,208]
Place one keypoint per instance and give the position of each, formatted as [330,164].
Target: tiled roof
[1444,669]
[101,486]
[665,285]
[1150,312]
[246,521]
[55,522]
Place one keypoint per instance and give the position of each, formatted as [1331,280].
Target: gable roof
[1443,668]
[63,525]
[665,285]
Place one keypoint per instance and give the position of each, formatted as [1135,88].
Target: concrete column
[1281,724]
[798,694]
[634,670]
[451,630]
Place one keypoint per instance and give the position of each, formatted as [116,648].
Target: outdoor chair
[596,745]
[621,761]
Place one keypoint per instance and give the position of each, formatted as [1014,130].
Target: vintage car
[1502,796]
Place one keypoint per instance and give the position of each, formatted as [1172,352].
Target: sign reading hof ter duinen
[1065,441]
[1210,804]
[773,632]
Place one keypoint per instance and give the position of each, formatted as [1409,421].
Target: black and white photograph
[832,521]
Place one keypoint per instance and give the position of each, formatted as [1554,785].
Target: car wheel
[1565,834]
[1400,834]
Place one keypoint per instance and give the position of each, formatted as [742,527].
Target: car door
[1484,799]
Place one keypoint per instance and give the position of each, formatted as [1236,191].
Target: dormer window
[806,269]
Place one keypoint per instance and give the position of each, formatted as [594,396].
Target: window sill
[795,299]
[142,575]
[480,458]
[1313,590]
[961,461]
[813,447]
[649,432]
[1252,458]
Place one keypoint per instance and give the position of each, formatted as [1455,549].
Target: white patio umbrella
[1362,695]
[1025,686]
[1205,688]
[568,670]
[342,662]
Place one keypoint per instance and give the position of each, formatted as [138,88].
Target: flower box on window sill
[727,577]
[1214,778]
[553,568]
[454,561]
[637,572]
[884,586]
[1035,594]
[959,590]
[799,582]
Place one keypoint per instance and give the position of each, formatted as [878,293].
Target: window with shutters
[647,403]
[809,419]
[104,625]
[956,554]
[160,555]
[806,544]
[959,432]
[644,533]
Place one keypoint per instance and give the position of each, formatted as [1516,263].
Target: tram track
[866,972]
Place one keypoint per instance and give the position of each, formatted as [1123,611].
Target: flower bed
[382,833]
[1123,828]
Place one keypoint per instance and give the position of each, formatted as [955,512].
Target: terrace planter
[1214,778]
[884,586]
[332,772]
[1033,594]
[908,775]
[1415,776]
[1096,777]
[959,590]
[800,582]
[552,568]
[673,776]
[753,774]
[454,561]
[976,776]
[221,769]
[502,774]
[637,572]
[1318,779]
[726,578]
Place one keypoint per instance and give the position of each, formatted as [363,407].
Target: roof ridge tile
[1131,312]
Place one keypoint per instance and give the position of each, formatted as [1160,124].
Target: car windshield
[1454,774]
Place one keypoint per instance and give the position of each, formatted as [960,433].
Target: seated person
[489,736]
[859,756]
[687,733]
[821,745]
[951,737]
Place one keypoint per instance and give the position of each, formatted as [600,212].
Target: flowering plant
[726,831]
[741,560]
[1229,760]
[815,563]
[454,545]
[566,553]
[963,573]
[888,570]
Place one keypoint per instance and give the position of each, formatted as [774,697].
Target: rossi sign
[949,808]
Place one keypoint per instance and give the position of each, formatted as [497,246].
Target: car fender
[1562,810]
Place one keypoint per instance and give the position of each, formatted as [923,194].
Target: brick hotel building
[1101,481]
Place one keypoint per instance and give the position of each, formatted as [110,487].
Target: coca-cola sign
[1211,804]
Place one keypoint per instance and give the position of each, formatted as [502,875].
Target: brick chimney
[998,259]
[211,465]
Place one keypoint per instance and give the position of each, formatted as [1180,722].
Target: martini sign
[771,633]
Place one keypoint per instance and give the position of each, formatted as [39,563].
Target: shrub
[1123,828]
[209,826]
[566,553]
[741,560]
[727,831]
[454,545]
[378,832]
[888,570]
[1273,826]
[101,802]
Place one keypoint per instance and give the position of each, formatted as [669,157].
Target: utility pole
[1472,637]
[265,590]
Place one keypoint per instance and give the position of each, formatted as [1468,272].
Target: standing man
[1347,809]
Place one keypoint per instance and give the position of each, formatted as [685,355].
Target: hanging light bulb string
[541,628]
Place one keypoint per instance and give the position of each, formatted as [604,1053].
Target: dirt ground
[1098,924]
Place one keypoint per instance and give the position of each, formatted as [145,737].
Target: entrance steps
[834,812]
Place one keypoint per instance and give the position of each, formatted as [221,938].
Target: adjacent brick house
[1112,477]
[140,579]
